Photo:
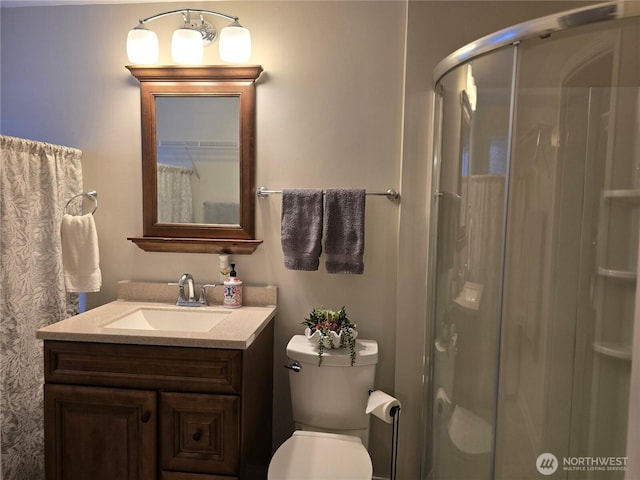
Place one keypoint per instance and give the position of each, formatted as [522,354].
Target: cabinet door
[99,433]
[200,433]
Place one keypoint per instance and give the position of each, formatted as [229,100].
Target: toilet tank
[331,397]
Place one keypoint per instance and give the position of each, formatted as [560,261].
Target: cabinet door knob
[146,416]
[197,435]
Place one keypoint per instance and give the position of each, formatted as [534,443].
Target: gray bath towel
[344,230]
[301,228]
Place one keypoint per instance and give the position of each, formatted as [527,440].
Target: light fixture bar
[188,41]
[187,11]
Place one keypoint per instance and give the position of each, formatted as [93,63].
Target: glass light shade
[142,46]
[186,46]
[235,44]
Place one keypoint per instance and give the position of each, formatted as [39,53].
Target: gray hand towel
[301,228]
[344,230]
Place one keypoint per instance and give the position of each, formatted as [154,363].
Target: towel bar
[391,194]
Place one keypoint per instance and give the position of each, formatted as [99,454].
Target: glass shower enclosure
[533,272]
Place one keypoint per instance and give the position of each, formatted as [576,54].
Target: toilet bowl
[329,403]
[320,456]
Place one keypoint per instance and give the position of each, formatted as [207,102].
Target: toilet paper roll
[380,405]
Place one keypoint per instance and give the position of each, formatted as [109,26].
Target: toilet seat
[320,456]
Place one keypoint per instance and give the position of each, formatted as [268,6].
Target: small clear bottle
[225,269]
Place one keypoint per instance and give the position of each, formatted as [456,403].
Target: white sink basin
[169,320]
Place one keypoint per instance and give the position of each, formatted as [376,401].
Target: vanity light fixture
[188,41]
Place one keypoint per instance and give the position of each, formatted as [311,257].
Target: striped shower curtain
[36,180]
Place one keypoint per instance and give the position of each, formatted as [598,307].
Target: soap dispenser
[232,290]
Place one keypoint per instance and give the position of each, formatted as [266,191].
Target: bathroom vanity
[127,402]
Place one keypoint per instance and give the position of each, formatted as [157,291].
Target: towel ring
[93,195]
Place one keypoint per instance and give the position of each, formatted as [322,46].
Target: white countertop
[236,331]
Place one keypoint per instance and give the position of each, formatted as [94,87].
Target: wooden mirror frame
[174,80]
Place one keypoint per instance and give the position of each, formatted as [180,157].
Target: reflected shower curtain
[485,224]
[36,181]
[175,197]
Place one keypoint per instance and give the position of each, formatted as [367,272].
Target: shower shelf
[612,349]
[629,196]
[625,202]
[621,274]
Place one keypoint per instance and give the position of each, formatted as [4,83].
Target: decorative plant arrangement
[331,329]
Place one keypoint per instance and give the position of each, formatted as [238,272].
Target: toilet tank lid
[305,351]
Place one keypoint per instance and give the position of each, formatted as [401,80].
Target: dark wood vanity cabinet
[100,432]
[142,412]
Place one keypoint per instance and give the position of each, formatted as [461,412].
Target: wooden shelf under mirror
[198,158]
[196,245]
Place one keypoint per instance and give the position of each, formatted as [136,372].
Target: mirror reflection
[198,159]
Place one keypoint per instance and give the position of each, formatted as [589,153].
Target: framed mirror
[198,156]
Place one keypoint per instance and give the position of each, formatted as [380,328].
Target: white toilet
[332,428]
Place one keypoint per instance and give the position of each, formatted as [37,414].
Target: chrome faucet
[188,297]
[187,292]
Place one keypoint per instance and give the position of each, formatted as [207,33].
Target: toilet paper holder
[394,412]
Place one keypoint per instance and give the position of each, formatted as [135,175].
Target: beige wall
[329,114]
[333,110]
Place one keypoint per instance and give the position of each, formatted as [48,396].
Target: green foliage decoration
[325,322]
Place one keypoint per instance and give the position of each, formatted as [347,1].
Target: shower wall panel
[538,207]
[471,205]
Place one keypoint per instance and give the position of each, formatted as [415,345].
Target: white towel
[80,255]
